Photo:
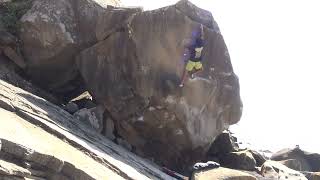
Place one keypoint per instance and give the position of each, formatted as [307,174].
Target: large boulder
[135,71]
[309,161]
[260,158]
[54,32]
[222,174]
[223,144]
[276,170]
[239,160]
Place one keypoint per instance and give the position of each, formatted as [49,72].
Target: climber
[193,55]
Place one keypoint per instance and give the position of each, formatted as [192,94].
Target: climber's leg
[189,68]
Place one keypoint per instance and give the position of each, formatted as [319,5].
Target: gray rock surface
[292,164]
[135,73]
[37,123]
[309,161]
[71,107]
[224,143]
[131,63]
[54,32]
[8,44]
[92,117]
[239,160]
[7,39]
[109,128]
[14,56]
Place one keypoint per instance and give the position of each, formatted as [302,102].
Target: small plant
[11,12]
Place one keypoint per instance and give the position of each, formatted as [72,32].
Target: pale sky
[274,47]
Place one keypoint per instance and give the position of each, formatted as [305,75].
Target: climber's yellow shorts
[193,65]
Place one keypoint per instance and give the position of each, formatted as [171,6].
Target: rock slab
[54,120]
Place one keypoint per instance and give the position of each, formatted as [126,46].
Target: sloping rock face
[41,140]
[53,33]
[135,71]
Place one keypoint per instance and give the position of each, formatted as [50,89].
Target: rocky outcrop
[54,32]
[226,151]
[48,138]
[130,62]
[309,161]
[222,174]
[135,74]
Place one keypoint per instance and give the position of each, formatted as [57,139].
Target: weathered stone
[292,164]
[260,159]
[53,33]
[141,67]
[109,128]
[222,174]
[309,161]
[124,144]
[16,58]
[257,175]
[239,160]
[223,144]
[93,116]
[71,107]
[7,39]
[276,170]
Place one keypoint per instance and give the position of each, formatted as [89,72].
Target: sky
[275,50]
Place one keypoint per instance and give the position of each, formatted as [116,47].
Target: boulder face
[53,33]
[134,72]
